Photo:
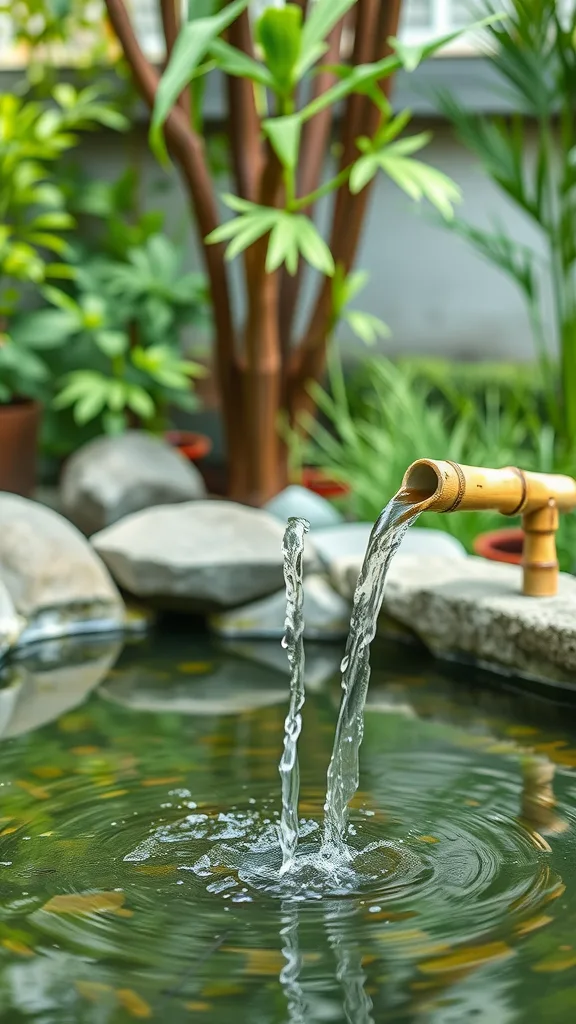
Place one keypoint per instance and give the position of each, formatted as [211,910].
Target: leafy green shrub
[34,220]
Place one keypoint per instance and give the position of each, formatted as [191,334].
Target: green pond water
[139,798]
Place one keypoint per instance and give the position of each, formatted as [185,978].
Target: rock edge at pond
[326,615]
[57,585]
[475,608]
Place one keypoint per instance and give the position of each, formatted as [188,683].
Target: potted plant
[33,219]
[286,73]
[122,365]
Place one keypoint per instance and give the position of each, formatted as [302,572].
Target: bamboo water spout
[437,486]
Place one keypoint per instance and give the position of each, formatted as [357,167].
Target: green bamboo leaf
[367,326]
[323,16]
[312,246]
[279,33]
[191,47]
[112,343]
[283,246]
[140,402]
[235,62]
[365,168]
[284,135]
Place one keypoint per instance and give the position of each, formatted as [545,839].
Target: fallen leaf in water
[530,926]
[223,988]
[521,730]
[555,962]
[195,668]
[131,1001]
[48,772]
[9,831]
[85,903]
[466,958]
[85,751]
[38,792]
[259,961]
[44,835]
[15,946]
[408,935]
[472,803]
[427,839]
[163,780]
[122,912]
[92,990]
[74,723]
[197,1007]
[112,793]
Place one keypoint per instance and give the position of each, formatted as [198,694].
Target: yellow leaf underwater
[466,958]
[133,1003]
[259,961]
[556,962]
[15,946]
[85,903]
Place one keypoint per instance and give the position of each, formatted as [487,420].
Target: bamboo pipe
[437,486]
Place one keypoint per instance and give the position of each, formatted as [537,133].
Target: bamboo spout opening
[423,479]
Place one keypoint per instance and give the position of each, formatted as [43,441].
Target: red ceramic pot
[501,545]
[326,486]
[193,446]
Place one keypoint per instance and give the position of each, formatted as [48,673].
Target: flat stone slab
[475,608]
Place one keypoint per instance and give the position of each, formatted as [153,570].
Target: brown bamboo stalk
[308,360]
[315,141]
[243,122]
[188,152]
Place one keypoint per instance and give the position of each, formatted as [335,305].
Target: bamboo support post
[439,486]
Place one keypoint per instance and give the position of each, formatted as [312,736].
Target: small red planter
[501,545]
[322,484]
[193,446]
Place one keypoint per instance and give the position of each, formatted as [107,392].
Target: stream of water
[293,551]
[343,771]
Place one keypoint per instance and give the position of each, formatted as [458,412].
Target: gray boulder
[198,556]
[326,615]
[111,477]
[474,608]
[56,582]
[10,623]
[299,501]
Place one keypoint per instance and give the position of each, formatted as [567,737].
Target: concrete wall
[436,295]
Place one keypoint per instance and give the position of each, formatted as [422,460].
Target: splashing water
[292,549]
[343,772]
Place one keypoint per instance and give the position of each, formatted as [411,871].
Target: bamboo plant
[532,52]
[297,75]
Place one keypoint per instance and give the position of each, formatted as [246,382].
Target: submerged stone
[322,658]
[56,582]
[326,615]
[52,679]
[111,477]
[197,556]
[475,608]
[219,686]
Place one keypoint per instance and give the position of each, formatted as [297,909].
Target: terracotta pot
[501,545]
[19,425]
[193,446]
[326,486]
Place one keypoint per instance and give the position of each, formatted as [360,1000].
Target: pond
[135,839]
